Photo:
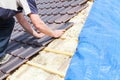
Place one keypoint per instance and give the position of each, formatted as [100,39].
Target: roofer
[10,8]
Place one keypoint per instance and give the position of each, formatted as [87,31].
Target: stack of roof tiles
[22,46]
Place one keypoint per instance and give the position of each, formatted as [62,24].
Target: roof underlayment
[98,53]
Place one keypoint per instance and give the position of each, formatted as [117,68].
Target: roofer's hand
[58,33]
[39,35]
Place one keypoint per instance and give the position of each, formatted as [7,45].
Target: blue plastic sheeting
[98,53]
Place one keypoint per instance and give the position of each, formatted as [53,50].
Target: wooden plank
[45,69]
[58,52]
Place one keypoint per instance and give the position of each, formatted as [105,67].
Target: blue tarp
[98,52]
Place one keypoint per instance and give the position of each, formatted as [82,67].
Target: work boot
[5,58]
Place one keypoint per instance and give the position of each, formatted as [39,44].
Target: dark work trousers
[6,27]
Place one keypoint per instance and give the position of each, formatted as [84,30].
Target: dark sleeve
[32,6]
[29,6]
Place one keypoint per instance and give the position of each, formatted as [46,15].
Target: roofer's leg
[6,28]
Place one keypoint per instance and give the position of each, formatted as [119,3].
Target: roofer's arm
[42,27]
[26,25]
